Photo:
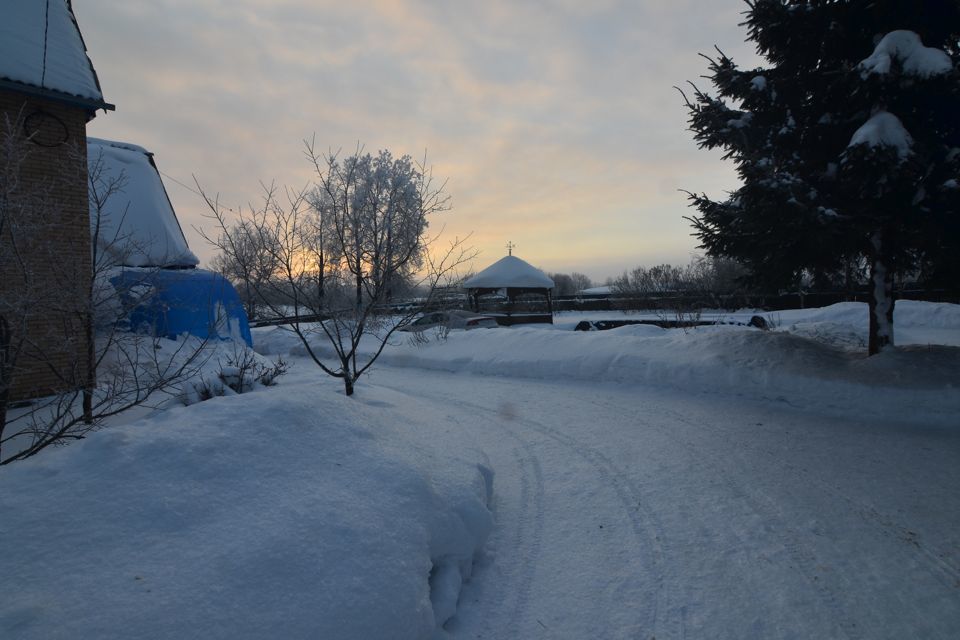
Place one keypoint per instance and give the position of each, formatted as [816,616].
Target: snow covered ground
[289,512]
[816,357]
[721,482]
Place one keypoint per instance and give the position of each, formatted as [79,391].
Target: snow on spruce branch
[884,129]
[906,48]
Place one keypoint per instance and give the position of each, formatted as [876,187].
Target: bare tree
[710,277]
[660,280]
[113,369]
[341,249]
[249,264]
[569,284]
[562,284]
[581,281]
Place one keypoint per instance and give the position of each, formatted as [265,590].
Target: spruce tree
[847,145]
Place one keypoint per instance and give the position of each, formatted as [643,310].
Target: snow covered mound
[815,358]
[844,324]
[301,514]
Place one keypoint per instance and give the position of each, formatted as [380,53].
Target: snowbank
[738,360]
[293,514]
[816,358]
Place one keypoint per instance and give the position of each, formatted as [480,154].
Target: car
[453,319]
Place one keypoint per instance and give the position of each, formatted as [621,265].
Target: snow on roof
[906,48]
[509,271]
[603,290]
[41,47]
[883,129]
[138,226]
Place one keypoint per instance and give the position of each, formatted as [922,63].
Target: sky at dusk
[554,122]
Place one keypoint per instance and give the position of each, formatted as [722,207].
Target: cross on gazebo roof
[510,248]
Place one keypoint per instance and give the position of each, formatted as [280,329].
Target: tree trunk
[881,298]
[359,294]
[349,377]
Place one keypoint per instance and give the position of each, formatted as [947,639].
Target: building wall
[45,257]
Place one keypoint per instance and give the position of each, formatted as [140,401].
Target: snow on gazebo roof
[42,52]
[510,272]
[138,226]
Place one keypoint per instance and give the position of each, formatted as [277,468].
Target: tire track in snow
[525,544]
[529,544]
[935,559]
[646,529]
[644,521]
[803,555]
[804,558]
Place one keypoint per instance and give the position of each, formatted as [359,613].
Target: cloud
[555,121]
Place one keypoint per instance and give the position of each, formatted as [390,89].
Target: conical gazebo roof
[510,272]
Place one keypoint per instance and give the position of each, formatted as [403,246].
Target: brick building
[48,92]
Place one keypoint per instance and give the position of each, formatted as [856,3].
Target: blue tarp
[170,302]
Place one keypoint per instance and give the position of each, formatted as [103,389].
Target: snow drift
[268,515]
[816,358]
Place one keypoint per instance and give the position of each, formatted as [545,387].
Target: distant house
[604,291]
[513,291]
[48,92]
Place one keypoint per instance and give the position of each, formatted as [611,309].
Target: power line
[188,188]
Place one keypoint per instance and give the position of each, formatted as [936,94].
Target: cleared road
[642,512]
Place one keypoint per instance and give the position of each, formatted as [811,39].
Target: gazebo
[524,292]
